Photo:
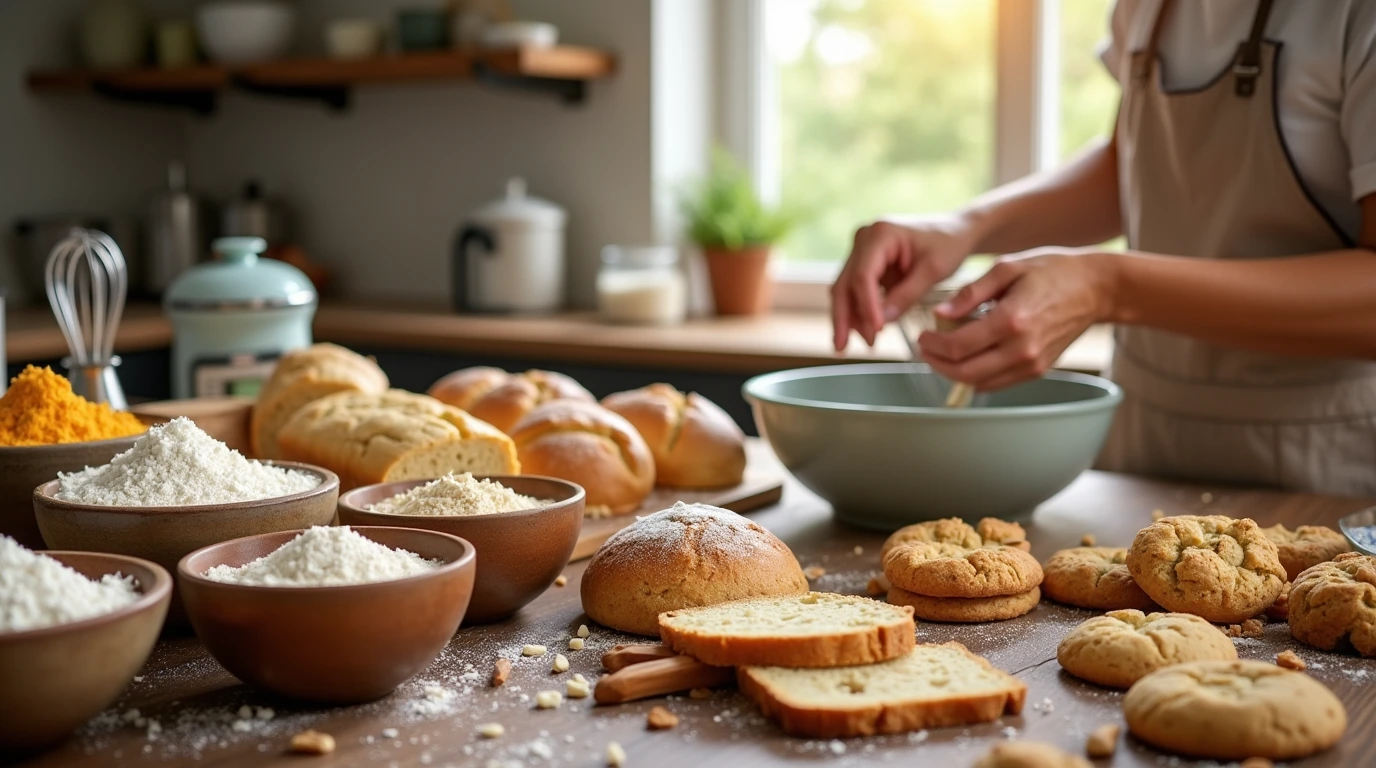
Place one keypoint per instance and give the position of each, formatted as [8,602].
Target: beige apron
[1205,173]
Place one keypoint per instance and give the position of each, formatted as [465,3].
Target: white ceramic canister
[509,255]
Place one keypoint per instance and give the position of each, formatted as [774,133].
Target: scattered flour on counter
[325,556]
[37,591]
[176,464]
[457,495]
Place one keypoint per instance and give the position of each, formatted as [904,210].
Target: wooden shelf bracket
[571,92]
[199,101]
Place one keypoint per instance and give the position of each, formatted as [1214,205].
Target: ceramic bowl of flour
[56,678]
[520,554]
[329,644]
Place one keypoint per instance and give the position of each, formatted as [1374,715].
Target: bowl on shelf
[332,645]
[25,467]
[349,39]
[422,29]
[166,534]
[54,679]
[520,554]
[520,34]
[244,31]
[1364,540]
[863,438]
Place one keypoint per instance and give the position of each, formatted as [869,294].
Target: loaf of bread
[502,399]
[303,376]
[584,443]
[687,556]
[368,438]
[694,442]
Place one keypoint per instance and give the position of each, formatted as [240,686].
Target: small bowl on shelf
[244,31]
[54,679]
[520,554]
[1360,530]
[353,39]
[166,534]
[520,34]
[331,645]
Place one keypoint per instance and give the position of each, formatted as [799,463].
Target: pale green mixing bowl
[857,436]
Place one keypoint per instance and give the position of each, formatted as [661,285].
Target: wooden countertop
[194,699]
[727,345]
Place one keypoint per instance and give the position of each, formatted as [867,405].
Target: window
[852,109]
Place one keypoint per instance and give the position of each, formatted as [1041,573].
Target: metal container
[253,214]
[174,233]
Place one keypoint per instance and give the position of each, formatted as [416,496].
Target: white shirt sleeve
[1358,116]
[1113,50]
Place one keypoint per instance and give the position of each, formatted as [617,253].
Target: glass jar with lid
[642,285]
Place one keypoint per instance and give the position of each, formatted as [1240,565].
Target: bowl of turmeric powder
[46,428]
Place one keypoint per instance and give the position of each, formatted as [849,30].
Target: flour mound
[325,557]
[37,591]
[457,495]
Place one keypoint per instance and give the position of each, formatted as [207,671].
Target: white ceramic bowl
[244,31]
[353,38]
[520,34]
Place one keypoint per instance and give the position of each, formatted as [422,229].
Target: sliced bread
[934,686]
[816,629]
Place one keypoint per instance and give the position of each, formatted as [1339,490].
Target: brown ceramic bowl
[335,645]
[25,467]
[520,554]
[54,679]
[166,534]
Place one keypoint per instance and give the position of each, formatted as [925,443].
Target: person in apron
[1245,305]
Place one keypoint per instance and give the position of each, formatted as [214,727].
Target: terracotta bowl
[166,534]
[334,645]
[520,554]
[54,679]
[24,468]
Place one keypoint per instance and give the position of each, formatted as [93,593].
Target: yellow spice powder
[40,408]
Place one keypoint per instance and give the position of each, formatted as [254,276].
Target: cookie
[1029,754]
[1121,647]
[1223,569]
[996,531]
[1333,605]
[951,570]
[1233,710]
[1306,546]
[1095,578]
[1280,610]
[966,610]
[953,530]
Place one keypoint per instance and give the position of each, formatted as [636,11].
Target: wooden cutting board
[763,486]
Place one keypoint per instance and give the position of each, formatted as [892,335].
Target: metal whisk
[87,280]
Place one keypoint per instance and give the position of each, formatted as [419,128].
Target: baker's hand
[1046,299]
[891,265]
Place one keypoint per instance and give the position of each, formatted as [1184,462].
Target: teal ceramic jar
[233,317]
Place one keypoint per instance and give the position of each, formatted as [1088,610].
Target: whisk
[86,280]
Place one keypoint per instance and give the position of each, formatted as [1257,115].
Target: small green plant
[723,211]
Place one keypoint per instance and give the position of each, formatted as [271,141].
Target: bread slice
[379,438]
[934,686]
[816,629]
[301,377]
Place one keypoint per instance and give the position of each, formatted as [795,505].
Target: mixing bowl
[862,437]
[335,645]
[56,678]
[520,554]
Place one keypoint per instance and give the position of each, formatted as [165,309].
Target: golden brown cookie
[1280,610]
[1333,605]
[1223,569]
[950,570]
[950,530]
[1029,754]
[1233,710]
[1120,647]
[1306,546]
[966,610]
[996,531]
[1095,578]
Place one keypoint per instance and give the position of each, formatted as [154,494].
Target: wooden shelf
[563,71]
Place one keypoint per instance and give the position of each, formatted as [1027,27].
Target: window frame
[1026,113]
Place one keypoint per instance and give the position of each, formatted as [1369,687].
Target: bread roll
[502,399]
[368,438]
[587,444]
[687,556]
[694,442]
[303,376]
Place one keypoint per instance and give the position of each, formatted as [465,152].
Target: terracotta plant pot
[740,280]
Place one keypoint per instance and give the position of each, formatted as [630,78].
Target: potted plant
[736,232]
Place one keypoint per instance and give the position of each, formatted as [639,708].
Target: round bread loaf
[502,399]
[301,377]
[688,556]
[584,443]
[694,442]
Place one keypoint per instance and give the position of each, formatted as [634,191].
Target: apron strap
[1247,65]
[1143,64]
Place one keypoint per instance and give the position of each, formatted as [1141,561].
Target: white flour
[325,557]
[176,464]
[457,495]
[37,591]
